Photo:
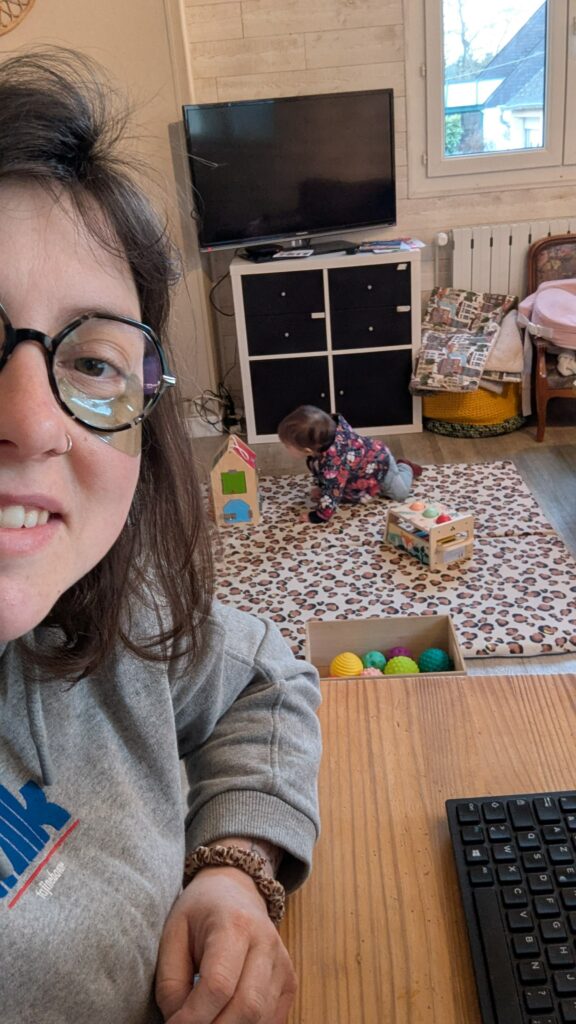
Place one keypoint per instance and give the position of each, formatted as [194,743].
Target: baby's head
[307,431]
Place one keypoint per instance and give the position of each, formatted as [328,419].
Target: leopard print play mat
[515,597]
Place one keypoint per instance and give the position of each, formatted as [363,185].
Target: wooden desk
[377,934]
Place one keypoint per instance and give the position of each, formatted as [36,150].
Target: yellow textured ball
[346,664]
[401,666]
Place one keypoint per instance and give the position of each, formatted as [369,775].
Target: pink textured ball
[399,652]
[371,671]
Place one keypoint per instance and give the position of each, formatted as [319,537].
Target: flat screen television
[291,168]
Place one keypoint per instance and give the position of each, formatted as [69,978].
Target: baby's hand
[303,517]
[315,494]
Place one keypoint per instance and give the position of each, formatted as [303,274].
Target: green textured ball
[374,659]
[401,666]
[434,659]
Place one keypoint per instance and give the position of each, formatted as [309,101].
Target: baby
[345,466]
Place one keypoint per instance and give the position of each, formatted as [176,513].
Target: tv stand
[339,332]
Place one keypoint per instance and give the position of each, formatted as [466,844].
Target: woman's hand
[219,927]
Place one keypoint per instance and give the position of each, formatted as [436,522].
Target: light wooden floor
[548,468]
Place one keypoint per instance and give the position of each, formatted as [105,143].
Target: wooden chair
[550,259]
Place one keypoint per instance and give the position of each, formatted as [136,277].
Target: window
[496,84]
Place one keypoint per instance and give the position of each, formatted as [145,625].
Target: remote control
[288,254]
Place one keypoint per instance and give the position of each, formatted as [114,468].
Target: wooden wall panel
[312,80]
[214,21]
[354,46]
[268,17]
[230,57]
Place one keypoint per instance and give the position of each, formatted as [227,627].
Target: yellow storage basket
[482,408]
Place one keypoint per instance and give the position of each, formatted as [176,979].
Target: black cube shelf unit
[340,332]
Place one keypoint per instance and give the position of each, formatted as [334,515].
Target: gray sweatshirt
[92,830]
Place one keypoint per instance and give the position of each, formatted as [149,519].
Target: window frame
[430,172]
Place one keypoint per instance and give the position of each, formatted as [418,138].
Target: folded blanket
[460,329]
[452,360]
[506,356]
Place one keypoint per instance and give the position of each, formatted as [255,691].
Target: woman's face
[51,271]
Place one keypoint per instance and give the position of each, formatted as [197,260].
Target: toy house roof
[234,445]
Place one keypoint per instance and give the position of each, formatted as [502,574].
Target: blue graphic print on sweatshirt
[23,836]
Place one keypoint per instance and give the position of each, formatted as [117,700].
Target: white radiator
[492,257]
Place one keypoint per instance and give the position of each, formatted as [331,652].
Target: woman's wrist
[247,859]
[270,854]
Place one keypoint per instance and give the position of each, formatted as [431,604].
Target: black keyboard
[516,862]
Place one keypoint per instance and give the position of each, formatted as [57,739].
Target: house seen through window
[494,67]
[491,94]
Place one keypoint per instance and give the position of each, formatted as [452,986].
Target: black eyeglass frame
[14,336]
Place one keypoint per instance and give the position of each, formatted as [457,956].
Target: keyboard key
[560,854]
[472,834]
[534,860]
[481,875]
[520,920]
[538,999]
[570,822]
[528,840]
[500,834]
[546,809]
[568,803]
[553,931]
[532,971]
[468,814]
[508,874]
[560,956]
[476,855]
[514,896]
[566,876]
[503,852]
[546,906]
[540,883]
[494,810]
[565,983]
[554,834]
[526,945]
[568,1011]
[544,1020]
[569,898]
[521,814]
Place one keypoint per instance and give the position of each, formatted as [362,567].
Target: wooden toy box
[433,543]
[324,640]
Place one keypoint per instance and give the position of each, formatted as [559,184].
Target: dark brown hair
[307,427]
[60,125]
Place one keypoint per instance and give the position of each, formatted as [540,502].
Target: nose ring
[67,449]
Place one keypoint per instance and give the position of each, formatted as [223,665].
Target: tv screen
[294,167]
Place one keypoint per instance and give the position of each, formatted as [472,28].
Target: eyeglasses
[108,372]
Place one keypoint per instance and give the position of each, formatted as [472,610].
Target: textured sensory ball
[399,652]
[374,659]
[434,659]
[371,671]
[346,664]
[401,666]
